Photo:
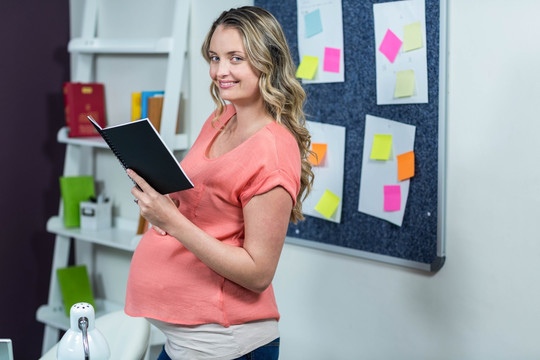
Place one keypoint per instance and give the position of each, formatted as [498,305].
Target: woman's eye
[214,58]
[237,58]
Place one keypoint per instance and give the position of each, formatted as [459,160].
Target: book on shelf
[142,226]
[145,95]
[138,146]
[82,100]
[155,107]
[135,106]
[74,190]
[74,286]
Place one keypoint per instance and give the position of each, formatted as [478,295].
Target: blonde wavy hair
[283,96]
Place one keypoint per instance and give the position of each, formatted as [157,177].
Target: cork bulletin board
[419,241]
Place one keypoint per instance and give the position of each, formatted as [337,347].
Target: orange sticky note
[405,164]
[320,152]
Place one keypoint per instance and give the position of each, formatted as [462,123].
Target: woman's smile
[226,84]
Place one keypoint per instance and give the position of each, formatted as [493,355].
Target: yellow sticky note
[328,204]
[308,67]
[382,147]
[405,164]
[320,152]
[404,84]
[412,36]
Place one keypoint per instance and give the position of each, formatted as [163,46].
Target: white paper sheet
[330,36]
[376,173]
[329,174]
[394,16]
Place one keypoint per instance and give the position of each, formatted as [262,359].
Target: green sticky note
[412,36]
[404,84]
[75,286]
[308,67]
[382,147]
[328,204]
[75,189]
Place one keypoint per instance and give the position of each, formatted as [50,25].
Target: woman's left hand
[159,210]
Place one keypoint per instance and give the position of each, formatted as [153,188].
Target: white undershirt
[213,341]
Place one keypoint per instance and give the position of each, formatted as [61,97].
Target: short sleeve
[278,164]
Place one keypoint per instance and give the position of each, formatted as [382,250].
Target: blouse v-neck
[217,132]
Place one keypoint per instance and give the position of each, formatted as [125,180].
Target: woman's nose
[222,68]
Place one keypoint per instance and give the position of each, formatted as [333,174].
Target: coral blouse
[166,281]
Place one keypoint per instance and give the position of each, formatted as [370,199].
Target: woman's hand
[159,210]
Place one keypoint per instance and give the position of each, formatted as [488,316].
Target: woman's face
[237,80]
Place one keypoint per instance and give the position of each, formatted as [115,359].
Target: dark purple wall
[33,64]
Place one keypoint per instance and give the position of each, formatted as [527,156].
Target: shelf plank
[91,141]
[181,140]
[121,46]
[115,237]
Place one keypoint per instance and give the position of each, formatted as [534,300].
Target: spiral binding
[113,149]
[115,152]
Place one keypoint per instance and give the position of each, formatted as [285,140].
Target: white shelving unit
[80,156]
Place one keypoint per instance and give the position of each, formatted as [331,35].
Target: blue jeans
[269,351]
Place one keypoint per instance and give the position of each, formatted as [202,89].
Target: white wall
[484,302]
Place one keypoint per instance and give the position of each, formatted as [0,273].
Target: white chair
[127,336]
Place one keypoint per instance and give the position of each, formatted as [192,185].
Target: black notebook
[139,147]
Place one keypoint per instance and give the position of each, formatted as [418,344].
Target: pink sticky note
[331,59]
[392,198]
[390,45]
